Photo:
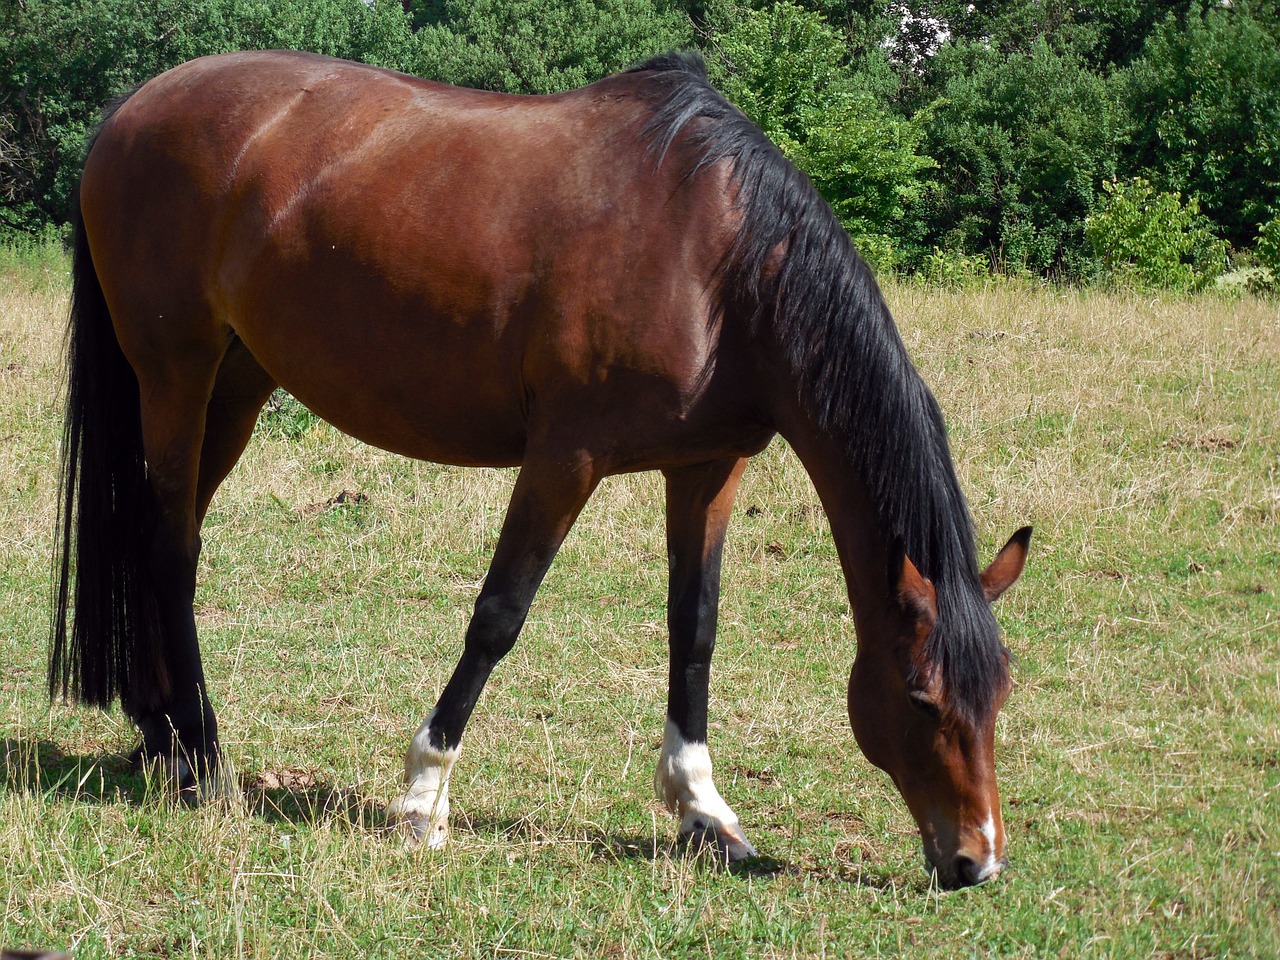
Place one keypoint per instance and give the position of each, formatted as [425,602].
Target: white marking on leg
[683,783]
[425,803]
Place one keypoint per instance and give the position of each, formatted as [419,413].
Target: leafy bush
[541,46]
[788,70]
[1154,239]
[1267,252]
[1022,142]
[1266,256]
[1205,99]
[950,268]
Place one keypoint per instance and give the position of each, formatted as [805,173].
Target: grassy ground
[1139,754]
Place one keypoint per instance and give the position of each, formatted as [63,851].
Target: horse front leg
[699,500]
[548,495]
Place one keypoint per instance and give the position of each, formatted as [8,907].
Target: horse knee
[494,626]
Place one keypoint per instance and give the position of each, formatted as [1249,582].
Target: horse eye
[924,703]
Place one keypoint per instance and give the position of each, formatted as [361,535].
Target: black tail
[106,517]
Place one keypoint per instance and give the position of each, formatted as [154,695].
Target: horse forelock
[850,368]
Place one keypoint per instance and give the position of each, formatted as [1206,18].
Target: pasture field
[1139,755]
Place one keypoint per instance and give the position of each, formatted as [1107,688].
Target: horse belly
[406,380]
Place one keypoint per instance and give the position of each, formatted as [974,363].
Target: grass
[1139,755]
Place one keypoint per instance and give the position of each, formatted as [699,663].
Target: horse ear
[1007,566]
[913,590]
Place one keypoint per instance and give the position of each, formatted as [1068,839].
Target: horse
[625,277]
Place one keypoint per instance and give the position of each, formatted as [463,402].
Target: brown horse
[623,277]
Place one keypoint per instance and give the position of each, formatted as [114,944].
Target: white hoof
[420,821]
[422,813]
[727,843]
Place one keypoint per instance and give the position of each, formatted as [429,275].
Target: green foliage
[949,268]
[1121,27]
[1103,32]
[1022,142]
[542,46]
[62,60]
[1267,252]
[39,258]
[285,418]
[1205,101]
[1266,255]
[787,69]
[1154,239]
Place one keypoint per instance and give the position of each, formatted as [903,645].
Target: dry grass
[1139,755]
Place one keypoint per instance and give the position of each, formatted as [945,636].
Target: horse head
[939,751]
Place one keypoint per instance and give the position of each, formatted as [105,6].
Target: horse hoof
[192,784]
[164,767]
[727,845]
[420,832]
[418,828]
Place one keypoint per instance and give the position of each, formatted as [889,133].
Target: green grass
[1139,754]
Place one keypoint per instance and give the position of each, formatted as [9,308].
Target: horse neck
[854,519]
[902,456]
[845,395]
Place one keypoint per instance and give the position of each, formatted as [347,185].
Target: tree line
[1131,139]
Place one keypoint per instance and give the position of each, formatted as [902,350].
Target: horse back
[403,255]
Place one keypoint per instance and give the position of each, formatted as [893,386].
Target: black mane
[851,369]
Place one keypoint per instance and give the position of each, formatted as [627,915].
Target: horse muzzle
[964,871]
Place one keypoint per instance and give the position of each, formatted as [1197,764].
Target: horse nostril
[968,873]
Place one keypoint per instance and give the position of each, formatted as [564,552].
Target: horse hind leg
[195,426]
[240,391]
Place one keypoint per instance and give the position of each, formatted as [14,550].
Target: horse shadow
[307,800]
[603,846]
[40,767]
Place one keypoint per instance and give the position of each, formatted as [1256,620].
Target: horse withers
[624,277]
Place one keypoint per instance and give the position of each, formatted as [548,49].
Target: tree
[1205,98]
[1024,142]
[788,70]
[542,46]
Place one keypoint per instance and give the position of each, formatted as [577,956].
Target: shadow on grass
[621,847]
[39,766]
[297,797]
[310,803]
